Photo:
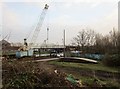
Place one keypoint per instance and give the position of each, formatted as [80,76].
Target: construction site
[90,61]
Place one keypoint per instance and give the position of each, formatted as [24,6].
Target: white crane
[37,30]
[39,25]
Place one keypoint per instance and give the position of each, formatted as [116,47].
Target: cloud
[106,24]
[66,18]
[37,3]
[26,0]
[11,22]
[61,20]
[86,1]
[10,18]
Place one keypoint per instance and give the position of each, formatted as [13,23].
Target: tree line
[89,41]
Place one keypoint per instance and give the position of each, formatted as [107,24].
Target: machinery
[26,49]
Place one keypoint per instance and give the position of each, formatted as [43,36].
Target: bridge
[48,46]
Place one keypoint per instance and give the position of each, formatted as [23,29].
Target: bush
[29,75]
[111,60]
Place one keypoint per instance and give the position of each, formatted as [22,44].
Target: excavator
[26,49]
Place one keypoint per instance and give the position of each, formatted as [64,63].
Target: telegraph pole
[47,35]
[64,41]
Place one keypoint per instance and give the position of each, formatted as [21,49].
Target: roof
[4,42]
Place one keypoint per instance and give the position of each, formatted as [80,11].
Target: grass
[85,66]
[89,81]
[32,74]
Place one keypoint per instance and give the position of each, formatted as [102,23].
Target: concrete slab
[78,59]
[42,60]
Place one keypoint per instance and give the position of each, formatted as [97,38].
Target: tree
[107,43]
[118,42]
[98,45]
[91,42]
[85,38]
[113,37]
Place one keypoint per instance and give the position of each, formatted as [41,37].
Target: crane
[37,30]
[39,25]
[26,49]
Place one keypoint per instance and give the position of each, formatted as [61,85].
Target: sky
[20,17]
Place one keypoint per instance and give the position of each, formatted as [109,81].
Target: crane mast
[38,27]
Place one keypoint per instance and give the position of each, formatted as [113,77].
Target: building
[5,44]
[7,49]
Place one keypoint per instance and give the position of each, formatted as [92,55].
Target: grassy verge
[86,66]
[91,75]
[55,74]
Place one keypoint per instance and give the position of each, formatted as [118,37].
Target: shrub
[29,75]
[111,60]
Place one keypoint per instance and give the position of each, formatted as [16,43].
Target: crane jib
[39,25]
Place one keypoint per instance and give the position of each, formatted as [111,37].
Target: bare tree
[89,41]
[81,39]
[118,42]
[85,38]
[108,43]
[98,45]
[113,37]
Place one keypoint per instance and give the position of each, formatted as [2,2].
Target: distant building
[5,44]
[7,48]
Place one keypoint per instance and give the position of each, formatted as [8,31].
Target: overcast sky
[19,18]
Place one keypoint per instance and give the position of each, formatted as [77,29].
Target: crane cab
[46,6]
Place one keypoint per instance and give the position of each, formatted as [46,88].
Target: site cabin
[27,53]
